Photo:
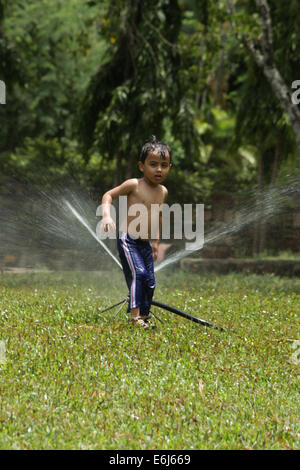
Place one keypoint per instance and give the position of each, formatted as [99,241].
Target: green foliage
[122,70]
[259,114]
[220,157]
[57,52]
[142,83]
[53,160]
[189,187]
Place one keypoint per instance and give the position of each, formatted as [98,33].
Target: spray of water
[86,225]
[40,228]
[48,219]
[274,201]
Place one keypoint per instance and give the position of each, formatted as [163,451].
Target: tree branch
[263,56]
[161,36]
[266,24]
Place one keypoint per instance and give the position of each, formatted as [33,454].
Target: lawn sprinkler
[155,303]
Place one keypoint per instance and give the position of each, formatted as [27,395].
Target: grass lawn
[71,379]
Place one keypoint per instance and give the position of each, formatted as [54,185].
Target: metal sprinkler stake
[186,315]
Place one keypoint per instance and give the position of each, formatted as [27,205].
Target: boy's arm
[124,189]
[157,239]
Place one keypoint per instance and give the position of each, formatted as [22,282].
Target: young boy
[136,254]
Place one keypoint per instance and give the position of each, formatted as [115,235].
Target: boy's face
[155,167]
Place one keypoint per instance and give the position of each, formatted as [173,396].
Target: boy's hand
[155,250]
[107,223]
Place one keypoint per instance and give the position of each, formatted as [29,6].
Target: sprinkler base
[169,309]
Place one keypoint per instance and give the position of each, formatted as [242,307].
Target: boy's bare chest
[146,197]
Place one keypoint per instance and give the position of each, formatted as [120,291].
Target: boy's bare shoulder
[132,181]
[164,191]
[131,184]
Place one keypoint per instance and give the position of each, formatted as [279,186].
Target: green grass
[282,255]
[72,379]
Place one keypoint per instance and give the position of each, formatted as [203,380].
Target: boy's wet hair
[153,145]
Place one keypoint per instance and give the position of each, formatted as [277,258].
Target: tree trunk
[275,164]
[117,169]
[261,224]
[219,79]
[257,239]
[263,56]
[129,172]
[262,233]
[284,95]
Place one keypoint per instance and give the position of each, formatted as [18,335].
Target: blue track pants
[137,262]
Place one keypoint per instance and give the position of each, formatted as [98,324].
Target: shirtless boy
[136,254]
